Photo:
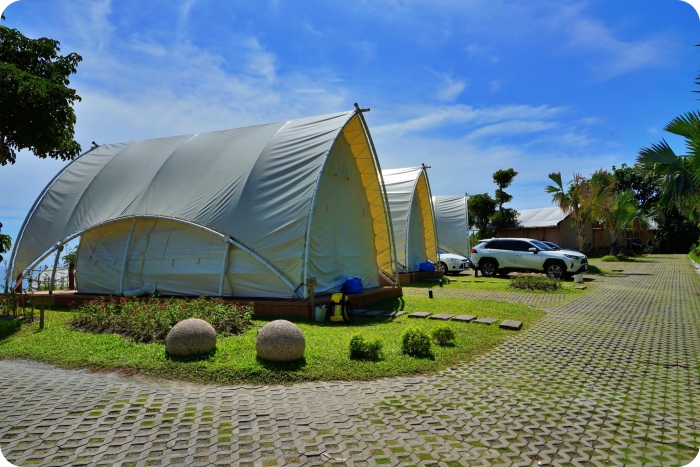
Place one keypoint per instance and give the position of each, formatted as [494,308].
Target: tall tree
[36,110]
[481,207]
[584,198]
[504,217]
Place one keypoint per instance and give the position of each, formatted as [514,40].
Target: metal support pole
[125,257]
[55,265]
[224,267]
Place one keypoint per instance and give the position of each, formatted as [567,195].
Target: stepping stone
[494,282]
[374,314]
[511,324]
[580,287]
[464,318]
[360,312]
[441,316]
[486,320]
[396,314]
[479,281]
[419,314]
[465,281]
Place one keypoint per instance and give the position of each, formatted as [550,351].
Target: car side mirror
[533,250]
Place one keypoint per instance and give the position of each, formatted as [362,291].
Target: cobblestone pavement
[609,378]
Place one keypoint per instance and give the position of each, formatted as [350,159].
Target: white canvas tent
[408,192]
[248,212]
[452,221]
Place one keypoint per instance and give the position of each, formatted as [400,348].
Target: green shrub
[150,319]
[534,282]
[443,335]
[364,349]
[8,326]
[415,342]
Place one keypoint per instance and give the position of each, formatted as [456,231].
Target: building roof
[542,217]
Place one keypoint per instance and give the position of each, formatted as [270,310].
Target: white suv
[503,255]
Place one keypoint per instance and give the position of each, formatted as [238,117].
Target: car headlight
[573,256]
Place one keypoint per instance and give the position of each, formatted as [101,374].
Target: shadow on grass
[194,358]
[282,366]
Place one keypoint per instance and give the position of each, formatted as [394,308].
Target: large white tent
[408,192]
[452,221]
[248,212]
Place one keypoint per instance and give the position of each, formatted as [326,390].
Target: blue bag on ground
[353,285]
[426,267]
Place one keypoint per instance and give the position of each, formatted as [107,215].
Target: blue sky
[467,87]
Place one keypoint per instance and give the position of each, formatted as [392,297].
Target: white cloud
[617,57]
[260,62]
[450,89]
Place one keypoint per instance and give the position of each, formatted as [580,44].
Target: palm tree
[678,176]
[623,213]
[585,199]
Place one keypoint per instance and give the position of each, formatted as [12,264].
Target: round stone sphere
[280,341]
[191,337]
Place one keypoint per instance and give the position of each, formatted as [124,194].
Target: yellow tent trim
[359,145]
[426,208]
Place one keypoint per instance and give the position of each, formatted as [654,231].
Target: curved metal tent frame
[225,237]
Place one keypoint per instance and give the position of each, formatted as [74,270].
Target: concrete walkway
[609,378]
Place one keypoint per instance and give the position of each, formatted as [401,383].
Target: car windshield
[442,252]
[542,246]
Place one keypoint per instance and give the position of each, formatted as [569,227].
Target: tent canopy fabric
[542,217]
[452,221]
[258,186]
[412,217]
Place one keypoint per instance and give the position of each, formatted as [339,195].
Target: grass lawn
[234,361]
[694,257]
[489,283]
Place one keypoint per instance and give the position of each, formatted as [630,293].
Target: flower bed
[150,319]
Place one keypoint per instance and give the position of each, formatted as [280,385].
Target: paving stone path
[537,300]
[609,378]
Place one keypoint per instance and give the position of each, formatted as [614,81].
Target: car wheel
[555,270]
[488,269]
[441,267]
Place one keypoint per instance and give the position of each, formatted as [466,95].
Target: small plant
[615,259]
[534,282]
[443,335]
[416,342]
[364,349]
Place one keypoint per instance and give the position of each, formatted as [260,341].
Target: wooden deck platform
[263,307]
[409,277]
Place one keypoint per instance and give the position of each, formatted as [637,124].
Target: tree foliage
[5,242]
[646,190]
[677,176]
[481,207]
[36,110]
[504,217]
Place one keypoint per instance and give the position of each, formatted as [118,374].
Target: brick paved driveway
[610,378]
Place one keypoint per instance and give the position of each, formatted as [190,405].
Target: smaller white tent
[452,222]
[412,218]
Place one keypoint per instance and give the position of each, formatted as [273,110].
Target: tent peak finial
[357,107]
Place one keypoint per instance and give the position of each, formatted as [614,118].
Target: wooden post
[310,282]
[42,301]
